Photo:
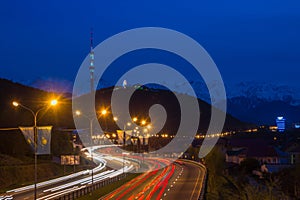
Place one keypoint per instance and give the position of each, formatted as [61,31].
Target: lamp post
[124,133]
[137,133]
[78,113]
[91,120]
[124,141]
[144,138]
[103,113]
[147,130]
[35,114]
[124,145]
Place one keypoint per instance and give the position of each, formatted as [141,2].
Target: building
[236,156]
[258,148]
[293,149]
[297,125]
[264,154]
[280,121]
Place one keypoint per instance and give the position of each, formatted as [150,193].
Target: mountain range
[62,116]
[256,102]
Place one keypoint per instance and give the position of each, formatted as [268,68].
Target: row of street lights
[77,113]
[126,125]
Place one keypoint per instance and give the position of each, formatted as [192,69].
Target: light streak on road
[64,189]
[102,164]
[101,161]
[74,183]
[146,184]
[57,194]
[49,182]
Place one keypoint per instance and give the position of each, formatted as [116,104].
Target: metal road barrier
[85,190]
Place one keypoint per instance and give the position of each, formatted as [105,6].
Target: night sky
[249,41]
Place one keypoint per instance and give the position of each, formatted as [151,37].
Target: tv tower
[92,67]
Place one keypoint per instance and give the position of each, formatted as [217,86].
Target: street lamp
[124,133]
[146,135]
[103,113]
[149,127]
[115,119]
[35,114]
[145,131]
[124,136]
[124,141]
[53,102]
[78,113]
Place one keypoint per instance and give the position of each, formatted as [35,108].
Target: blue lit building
[280,121]
[297,126]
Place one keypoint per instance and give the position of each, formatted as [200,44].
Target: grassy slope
[20,171]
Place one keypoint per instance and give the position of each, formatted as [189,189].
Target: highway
[55,187]
[181,180]
[163,180]
[187,183]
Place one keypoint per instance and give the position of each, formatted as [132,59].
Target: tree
[248,165]
[61,143]
[289,181]
[215,165]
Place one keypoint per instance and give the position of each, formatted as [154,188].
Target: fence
[76,193]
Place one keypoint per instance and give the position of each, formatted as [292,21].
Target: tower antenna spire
[92,67]
[91,38]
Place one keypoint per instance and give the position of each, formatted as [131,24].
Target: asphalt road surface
[181,180]
[187,184]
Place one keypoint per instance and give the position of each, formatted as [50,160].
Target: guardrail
[78,192]
[201,197]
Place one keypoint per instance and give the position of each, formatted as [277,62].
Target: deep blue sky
[253,41]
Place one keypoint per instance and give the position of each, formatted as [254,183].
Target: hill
[61,115]
[144,97]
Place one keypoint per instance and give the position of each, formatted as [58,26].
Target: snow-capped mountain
[261,103]
[255,102]
[265,92]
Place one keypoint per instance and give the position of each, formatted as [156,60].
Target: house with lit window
[259,149]
[235,156]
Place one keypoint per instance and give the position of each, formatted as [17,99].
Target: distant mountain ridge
[62,116]
[261,103]
[266,91]
[256,102]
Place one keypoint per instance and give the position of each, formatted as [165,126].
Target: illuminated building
[297,125]
[280,121]
[273,128]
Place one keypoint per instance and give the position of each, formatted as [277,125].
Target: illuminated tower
[92,67]
[280,121]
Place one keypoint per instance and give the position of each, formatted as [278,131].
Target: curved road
[50,188]
[181,180]
[188,184]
